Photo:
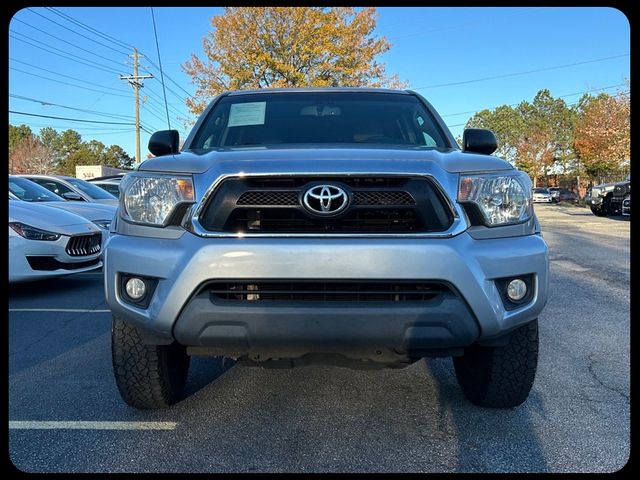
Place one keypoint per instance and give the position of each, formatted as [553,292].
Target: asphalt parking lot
[319,419]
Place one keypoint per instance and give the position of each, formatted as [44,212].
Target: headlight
[104,224]
[32,233]
[502,199]
[150,199]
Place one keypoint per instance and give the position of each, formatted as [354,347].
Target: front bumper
[182,265]
[20,270]
[593,201]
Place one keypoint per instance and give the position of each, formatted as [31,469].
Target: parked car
[621,190]
[626,206]
[562,195]
[606,199]
[71,188]
[541,195]
[23,189]
[110,183]
[338,226]
[49,242]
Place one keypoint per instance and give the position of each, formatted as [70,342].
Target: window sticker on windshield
[251,113]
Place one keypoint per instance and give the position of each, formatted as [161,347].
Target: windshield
[31,192]
[319,118]
[90,189]
[540,190]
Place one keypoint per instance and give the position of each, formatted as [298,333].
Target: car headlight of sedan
[32,233]
[501,198]
[151,199]
[104,224]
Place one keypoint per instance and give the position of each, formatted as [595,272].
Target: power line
[521,73]
[172,81]
[155,34]
[55,51]
[112,39]
[84,36]
[69,119]
[91,29]
[60,74]
[69,43]
[67,83]
[155,97]
[159,117]
[514,104]
[456,27]
[76,127]
[45,103]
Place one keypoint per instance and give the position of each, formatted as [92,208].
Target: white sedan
[542,195]
[23,189]
[48,242]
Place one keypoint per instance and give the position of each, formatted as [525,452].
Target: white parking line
[71,425]
[72,310]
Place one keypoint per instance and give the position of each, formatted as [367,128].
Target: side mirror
[164,142]
[72,196]
[479,140]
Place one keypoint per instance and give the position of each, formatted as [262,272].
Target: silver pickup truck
[336,226]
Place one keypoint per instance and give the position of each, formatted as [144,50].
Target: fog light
[516,290]
[135,288]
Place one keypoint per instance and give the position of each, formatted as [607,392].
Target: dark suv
[606,199]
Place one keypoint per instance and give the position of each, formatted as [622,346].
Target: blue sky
[432,48]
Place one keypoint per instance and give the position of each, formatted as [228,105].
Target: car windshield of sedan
[319,118]
[90,189]
[29,191]
[541,190]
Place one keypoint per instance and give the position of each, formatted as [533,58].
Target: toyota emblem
[325,199]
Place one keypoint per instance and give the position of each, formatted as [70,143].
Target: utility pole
[136,82]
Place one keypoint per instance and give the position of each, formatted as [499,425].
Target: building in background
[86,172]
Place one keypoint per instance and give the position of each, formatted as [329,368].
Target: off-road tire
[500,376]
[148,376]
[598,212]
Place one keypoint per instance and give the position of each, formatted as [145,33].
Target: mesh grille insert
[326,291]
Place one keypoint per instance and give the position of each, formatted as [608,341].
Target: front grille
[378,204]
[621,190]
[261,198]
[326,291]
[82,245]
[278,220]
[50,263]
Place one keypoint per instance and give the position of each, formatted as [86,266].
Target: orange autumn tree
[601,133]
[263,47]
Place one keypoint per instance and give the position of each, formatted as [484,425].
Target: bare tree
[30,156]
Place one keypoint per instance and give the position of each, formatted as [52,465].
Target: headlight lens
[503,199]
[32,233]
[104,224]
[149,199]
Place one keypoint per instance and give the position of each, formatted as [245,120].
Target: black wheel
[148,376]
[599,212]
[500,377]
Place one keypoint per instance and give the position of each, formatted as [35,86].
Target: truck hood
[323,158]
